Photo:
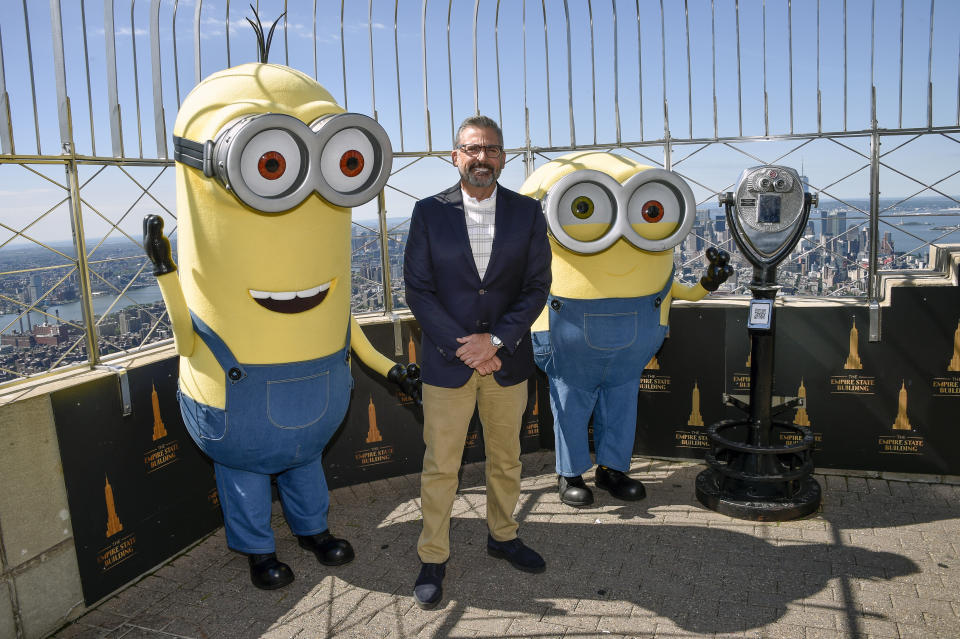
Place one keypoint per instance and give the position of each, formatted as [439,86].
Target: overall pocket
[298,403]
[609,331]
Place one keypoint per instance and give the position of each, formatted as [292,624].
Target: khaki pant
[446,418]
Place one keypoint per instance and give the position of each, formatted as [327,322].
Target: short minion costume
[267,168]
[613,224]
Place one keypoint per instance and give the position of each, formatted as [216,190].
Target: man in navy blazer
[477,273]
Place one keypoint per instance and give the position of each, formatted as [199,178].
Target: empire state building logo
[373,434]
[955,361]
[411,351]
[853,357]
[696,419]
[113,521]
[902,423]
[159,430]
[801,418]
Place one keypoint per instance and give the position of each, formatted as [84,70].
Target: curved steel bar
[686,23]
[453,124]
[33,84]
[790,55]
[197,71]
[373,84]
[314,16]
[6,129]
[176,65]
[227,29]
[496,39]
[566,15]
[159,121]
[933,4]
[286,30]
[593,71]
[60,73]
[476,79]
[396,62]
[343,59]
[546,64]
[639,65]
[86,67]
[426,92]
[616,72]
[713,64]
[739,72]
[110,63]
[136,77]
[766,103]
[844,64]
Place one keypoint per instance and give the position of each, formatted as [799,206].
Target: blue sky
[643,60]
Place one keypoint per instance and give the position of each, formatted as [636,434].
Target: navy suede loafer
[520,556]
[428,589]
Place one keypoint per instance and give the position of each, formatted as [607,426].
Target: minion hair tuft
[263,44]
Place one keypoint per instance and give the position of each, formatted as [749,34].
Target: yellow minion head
[267,164]
[613,223]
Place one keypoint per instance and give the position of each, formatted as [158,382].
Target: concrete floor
[881,559]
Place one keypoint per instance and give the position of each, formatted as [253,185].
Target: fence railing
[861,96]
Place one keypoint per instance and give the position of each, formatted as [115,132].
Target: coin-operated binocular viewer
[751,474]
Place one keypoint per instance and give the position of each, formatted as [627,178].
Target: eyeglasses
[272,161]
[473,150]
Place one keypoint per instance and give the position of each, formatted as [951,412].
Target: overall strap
[234,370]
[669,284]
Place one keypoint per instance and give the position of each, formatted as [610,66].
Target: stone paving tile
[880,559]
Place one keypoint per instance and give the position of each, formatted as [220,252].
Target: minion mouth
[291,301]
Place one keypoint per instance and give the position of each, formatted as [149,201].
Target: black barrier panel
[382,434]
[139,490]
[882,406]
[681,386]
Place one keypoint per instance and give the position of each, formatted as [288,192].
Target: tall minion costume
[613,224]
[267,168]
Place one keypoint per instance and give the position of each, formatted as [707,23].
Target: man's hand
[157,246]
[476,349]
[492,365]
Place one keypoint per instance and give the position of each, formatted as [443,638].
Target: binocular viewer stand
[758,468]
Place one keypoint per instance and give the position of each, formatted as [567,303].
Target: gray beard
[473,180]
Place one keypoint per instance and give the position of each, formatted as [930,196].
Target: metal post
[874,282]
[385,254]
[83,268]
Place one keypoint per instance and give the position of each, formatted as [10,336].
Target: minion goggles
[272,162]
[653,195]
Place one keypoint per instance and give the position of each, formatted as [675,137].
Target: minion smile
[291,301]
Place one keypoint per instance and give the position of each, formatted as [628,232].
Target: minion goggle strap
[587,211]
[272,162]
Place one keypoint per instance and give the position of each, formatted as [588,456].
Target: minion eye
[586,210]
[270,163]
[346,160]
[582,207]
[652,211]
[355,158]
[654,203]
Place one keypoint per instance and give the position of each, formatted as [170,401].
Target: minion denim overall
[594,354]
[277,420]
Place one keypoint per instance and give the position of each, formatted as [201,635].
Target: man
[477,271]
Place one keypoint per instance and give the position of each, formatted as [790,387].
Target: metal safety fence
[861,96]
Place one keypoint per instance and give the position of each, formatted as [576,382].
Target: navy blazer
[448,298]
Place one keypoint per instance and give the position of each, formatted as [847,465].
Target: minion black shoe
[619,484]
[329,550]
[267,573]
[573,492]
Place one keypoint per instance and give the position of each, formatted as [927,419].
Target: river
[72,312]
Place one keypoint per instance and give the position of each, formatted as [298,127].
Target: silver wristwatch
[496,341]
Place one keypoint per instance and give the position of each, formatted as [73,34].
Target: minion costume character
[613,224]
[267,166]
